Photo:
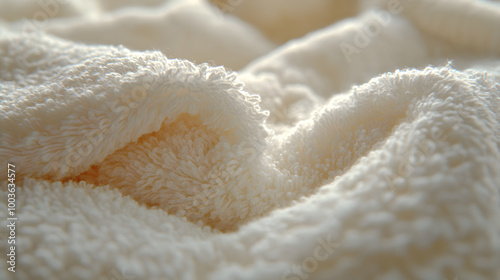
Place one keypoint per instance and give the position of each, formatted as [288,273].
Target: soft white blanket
[365,148]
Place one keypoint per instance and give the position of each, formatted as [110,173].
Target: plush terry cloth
[355,152]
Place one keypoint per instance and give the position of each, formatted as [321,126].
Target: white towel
[366,149]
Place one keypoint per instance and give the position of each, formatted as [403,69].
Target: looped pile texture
[368,148]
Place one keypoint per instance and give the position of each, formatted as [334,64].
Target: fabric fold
[368,149]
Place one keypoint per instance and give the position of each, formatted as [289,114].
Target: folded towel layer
[358,151]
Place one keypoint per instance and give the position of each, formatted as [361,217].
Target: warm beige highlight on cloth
[312,161]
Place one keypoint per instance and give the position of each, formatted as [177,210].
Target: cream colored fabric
[367,149]
[283,20]
[191,29]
